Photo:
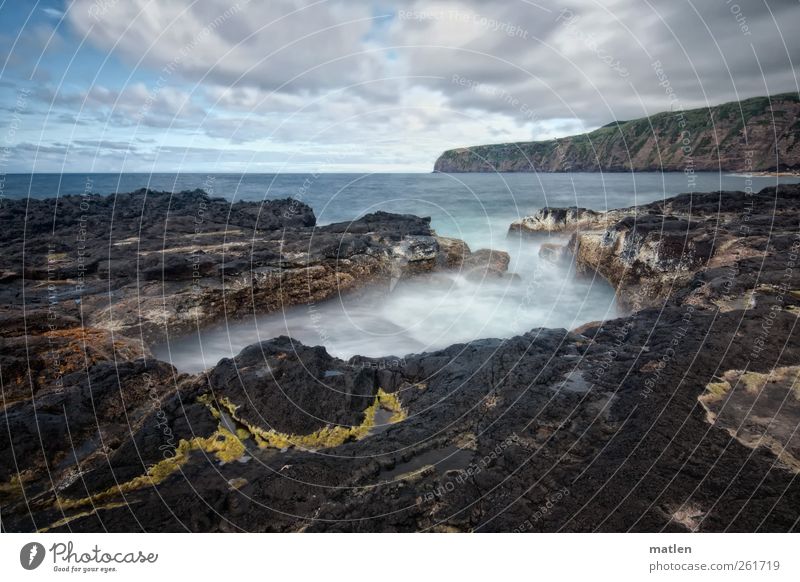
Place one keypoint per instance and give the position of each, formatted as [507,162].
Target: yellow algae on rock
[66,520]
[324,438]
[226,446]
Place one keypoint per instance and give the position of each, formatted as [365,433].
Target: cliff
[754,135]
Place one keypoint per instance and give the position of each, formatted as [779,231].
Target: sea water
[414,316]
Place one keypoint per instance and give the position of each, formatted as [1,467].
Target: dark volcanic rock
[721,248]
[156,264]
[496,430]
[286,386]
[88,282]
[671,418]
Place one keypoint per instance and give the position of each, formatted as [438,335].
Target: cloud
[593,61]
[134,104]
[284,44]
[557,65]
[400,79]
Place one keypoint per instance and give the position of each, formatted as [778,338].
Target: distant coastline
[782,174]
[749,136]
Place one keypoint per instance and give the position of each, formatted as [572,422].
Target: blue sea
[415,316]
[473,205]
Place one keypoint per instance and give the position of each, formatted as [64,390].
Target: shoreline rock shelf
[627,415]
[152,265]
[707,249]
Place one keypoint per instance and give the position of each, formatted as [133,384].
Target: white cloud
[299,45]
[407,79]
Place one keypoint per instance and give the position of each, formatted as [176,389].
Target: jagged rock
[616,426]
[486,263]
[156,264]
[550,220]
[291,388]
[608,433]
[453,252]
[85,406]
[704,244]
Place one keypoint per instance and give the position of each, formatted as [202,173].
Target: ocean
[414,316]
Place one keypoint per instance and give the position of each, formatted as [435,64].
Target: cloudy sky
[357,85]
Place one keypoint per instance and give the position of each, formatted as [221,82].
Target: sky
[357,85]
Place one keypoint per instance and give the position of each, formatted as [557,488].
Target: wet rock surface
[718,249]
[615,426]
[155,264]
[550,220]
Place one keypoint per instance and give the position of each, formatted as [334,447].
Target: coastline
[603,388]
[787,174]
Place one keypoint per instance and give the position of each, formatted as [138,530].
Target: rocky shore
[151,265]
[679,416]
